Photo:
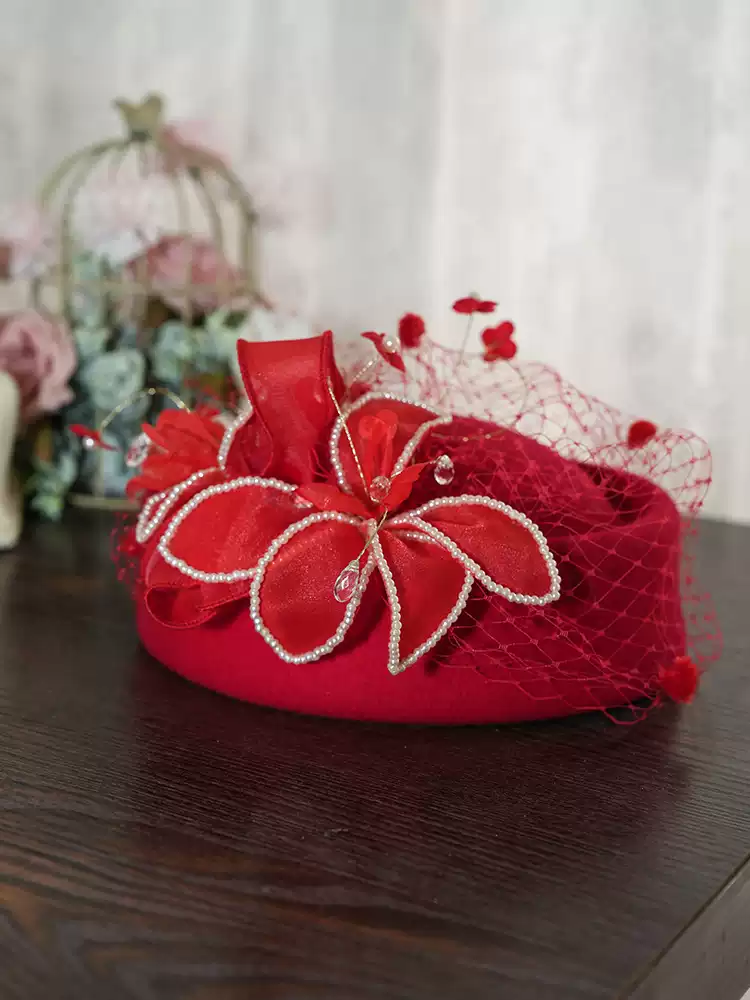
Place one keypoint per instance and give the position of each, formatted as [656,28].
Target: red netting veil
[430,535]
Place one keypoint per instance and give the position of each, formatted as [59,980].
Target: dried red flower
[471,304]
[640,432]
[411,329]
[498,342]
[91,438]
[386,349]
[679,681]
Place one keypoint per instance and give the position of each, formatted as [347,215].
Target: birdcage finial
[143,121]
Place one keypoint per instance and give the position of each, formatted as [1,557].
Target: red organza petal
[414,422]
[323,496]
[500,542]
[179,602]
[229,526]
[292,596]
[432,588]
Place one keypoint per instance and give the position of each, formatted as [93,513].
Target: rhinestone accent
[410,447]
[352,604]
[379,489]
[138,451]
[88,443]
[192,571]
[346,582]
[444,470]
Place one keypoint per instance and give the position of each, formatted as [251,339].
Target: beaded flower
[312,506]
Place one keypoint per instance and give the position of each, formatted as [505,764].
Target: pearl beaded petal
[146,524]
[192,571]
[413,518]
[351,607]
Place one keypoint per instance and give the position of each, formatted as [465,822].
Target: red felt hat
[465,539]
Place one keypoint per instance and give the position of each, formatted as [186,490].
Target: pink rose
[188,271]
[39,353]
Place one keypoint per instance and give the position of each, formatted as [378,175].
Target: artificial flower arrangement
[143,299]
[425,536]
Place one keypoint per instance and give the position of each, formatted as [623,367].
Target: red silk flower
[640,432]
[309,550]
[386,349]
[498,342]
[411,329]
[91,438]
[184,442]
[471,304]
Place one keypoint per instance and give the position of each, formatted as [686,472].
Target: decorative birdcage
[154,275]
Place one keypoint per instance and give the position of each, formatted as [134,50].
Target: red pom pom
[411,329]
[640,432]
[680,680]
[386,350]
[91,437]
[498,342]
[471,304]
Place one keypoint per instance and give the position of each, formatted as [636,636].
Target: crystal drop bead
[138,451]
[444,471]
[346,582]
[379,489]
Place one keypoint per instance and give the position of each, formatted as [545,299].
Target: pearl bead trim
[409,448]
[442,628]
[397,663]
[413,518]
[146,525]
[226,442]
[351,607]
[211,491]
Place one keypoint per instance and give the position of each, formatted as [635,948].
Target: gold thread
[346,431]
[152,391]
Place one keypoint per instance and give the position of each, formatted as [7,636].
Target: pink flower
[39,353]
[188,271]
[28,241]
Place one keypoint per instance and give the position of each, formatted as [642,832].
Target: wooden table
[158,841]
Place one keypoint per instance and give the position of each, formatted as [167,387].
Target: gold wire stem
[371,539]
[151,391]
[466,337]
[360,470]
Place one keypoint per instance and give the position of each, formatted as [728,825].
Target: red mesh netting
[617,636]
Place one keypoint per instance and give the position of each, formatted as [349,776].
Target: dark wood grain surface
[160,842]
